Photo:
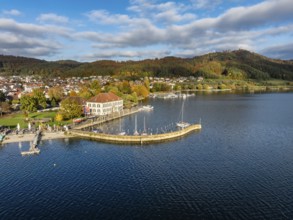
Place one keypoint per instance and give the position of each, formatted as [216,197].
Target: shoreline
[29,137]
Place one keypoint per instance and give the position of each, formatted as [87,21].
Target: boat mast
[135,125]
[182,111]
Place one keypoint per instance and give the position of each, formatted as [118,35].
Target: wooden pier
[33,148]
[136,139]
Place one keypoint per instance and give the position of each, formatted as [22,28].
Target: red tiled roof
[105,97]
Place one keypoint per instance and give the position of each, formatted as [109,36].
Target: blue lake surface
[240,166]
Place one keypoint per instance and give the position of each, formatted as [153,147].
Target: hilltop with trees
[238,65]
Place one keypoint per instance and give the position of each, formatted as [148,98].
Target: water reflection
[241,160]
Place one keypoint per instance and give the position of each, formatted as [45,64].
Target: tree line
[228,64]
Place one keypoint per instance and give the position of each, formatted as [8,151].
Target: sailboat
[144,129]
[181,123]
[120,131]
[135,127]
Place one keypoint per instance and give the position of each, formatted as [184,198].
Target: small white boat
[182,124]
[170,96]
[121,132]
[147,107]
[184,96]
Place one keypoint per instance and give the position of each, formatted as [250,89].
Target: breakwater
[136,139]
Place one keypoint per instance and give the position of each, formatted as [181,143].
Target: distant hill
[238,64]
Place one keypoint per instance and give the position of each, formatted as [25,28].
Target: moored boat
[181,123]
[147,107]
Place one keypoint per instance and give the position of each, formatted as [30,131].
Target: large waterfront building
[104,104]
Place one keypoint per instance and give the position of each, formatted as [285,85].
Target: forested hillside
[239,64]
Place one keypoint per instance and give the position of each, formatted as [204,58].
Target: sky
[87,30]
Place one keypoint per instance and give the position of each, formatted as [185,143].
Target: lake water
[240,166]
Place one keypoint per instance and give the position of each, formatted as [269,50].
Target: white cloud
[205,4]
[27,46]
[281,51]
[167,12]
[30,39]
[264,13]
[12,12]
[29,29]
[125,54]
[171,26]
[104,17]
[52,18]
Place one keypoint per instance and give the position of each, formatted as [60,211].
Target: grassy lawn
[14,119]
[39,115]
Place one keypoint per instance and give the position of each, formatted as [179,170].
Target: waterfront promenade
[94,121]
[14,138]
[79,130]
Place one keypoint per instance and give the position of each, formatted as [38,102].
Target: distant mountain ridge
[238,64]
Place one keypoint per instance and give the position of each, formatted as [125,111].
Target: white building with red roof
[104,104]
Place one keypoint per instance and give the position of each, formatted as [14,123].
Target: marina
[93,127]
[88,129]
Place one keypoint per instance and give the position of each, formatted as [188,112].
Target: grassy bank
[242,85]
[19,118]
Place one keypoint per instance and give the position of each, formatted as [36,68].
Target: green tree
[95,87]
[53,102]
[85,92]
[2,96]
[39,95]
[199,86]
[125,87]
[70,108]
[28,103]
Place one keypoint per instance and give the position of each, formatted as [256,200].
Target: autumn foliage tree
[90,89]
[59,117]
[140,90]
[70,108]
[56,93]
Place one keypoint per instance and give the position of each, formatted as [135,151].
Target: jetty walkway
[105,118]
[33,148]
[136,139]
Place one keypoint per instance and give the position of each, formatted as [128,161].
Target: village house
[104,104]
